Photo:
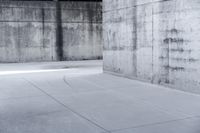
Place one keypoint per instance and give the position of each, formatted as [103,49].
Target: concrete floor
[75,97]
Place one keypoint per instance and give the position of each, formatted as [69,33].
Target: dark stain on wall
[180,50]
[59,32]
[43,25]
[180,59]
[173,40]
[174,68]
[185,59]
[90,13]
[174,31]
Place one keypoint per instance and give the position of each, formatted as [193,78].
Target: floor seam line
[65,106]
[140,99]
[67,83]
[157,123]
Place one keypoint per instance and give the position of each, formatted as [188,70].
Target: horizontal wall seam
[49,22]
[136,5]
[53,8]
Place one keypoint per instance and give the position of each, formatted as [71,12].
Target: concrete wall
[28,31]
[153,40]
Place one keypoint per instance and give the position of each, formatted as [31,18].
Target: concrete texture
[154,41]
[36,31]
[69,100]
[78,98]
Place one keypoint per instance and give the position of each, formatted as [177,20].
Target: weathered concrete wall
[82,30]
[153,40]
[28,31]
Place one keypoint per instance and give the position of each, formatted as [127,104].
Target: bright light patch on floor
[30,71]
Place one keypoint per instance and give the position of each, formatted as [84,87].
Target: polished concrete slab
[76,97]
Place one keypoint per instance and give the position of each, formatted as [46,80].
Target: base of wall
[152,83]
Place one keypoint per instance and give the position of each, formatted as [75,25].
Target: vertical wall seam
[135,32]
[152,79]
